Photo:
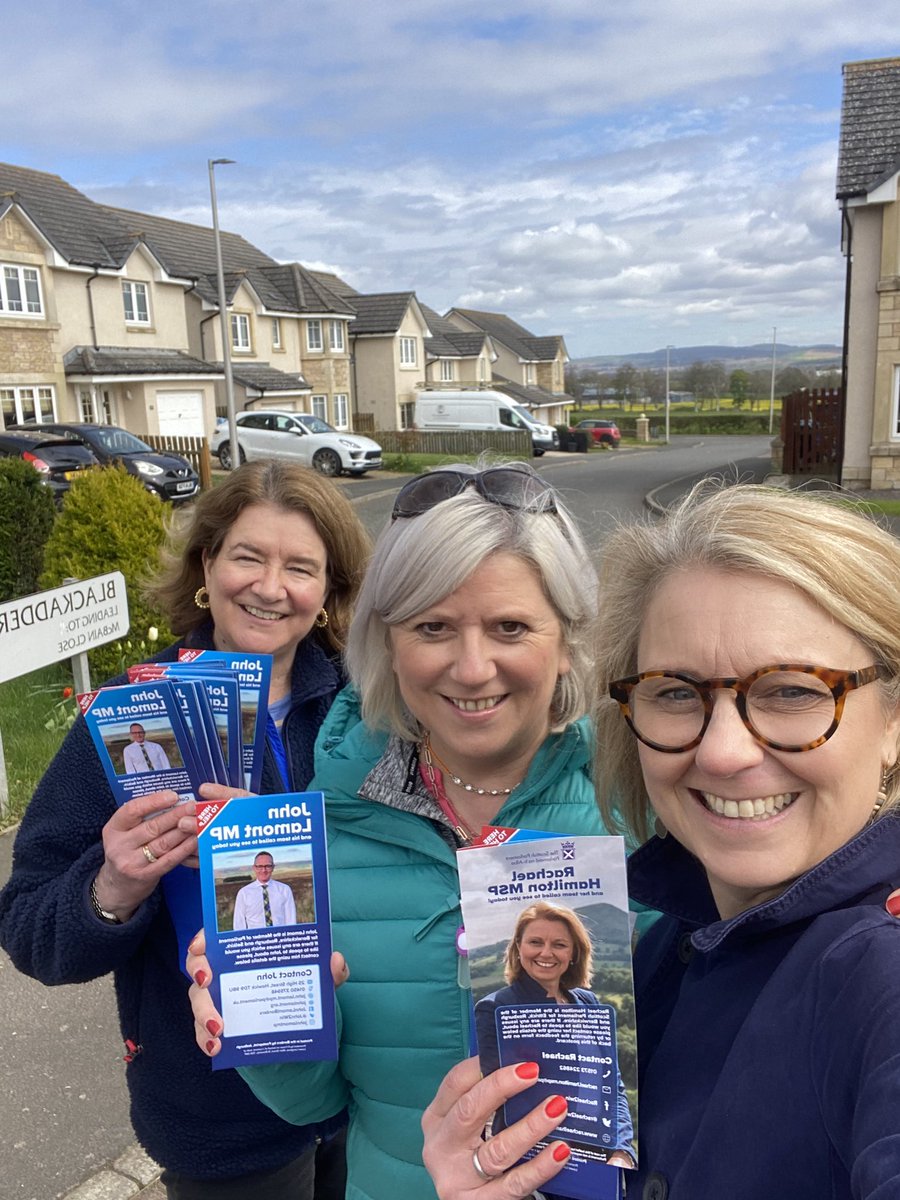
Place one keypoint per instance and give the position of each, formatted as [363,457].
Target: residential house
[456,358]
[388,336]
[290,346]
[91,318]
[867,189]
[528,368]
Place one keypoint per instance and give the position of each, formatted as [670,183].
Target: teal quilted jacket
[404,1017]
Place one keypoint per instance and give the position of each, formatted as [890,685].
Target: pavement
[65,1125]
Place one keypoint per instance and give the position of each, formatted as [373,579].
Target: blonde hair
[580,969]
[822,546]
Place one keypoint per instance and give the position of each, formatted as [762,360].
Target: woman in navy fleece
[269,563]
[749,681]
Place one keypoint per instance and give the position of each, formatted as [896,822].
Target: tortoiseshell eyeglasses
[790,706]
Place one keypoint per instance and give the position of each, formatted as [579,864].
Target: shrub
[26,518]
[110,523]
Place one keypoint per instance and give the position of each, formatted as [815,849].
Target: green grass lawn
[27,704]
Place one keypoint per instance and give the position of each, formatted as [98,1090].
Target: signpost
[64,622]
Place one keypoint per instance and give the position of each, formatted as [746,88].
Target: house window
[27,404]
[407,414]
[314,335]
[446,370]
[407,352]
[341,411]
[320,407]
[529,373]
[137,308]
[482,370]
[240,332]
[337,336]
[896,403]
[20,291]
[276,333]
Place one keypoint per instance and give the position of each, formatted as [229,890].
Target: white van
[481,410]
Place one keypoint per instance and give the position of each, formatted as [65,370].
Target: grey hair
[420,560]
[837,557]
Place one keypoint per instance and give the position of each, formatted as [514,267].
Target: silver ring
[148,854]
[479,1169]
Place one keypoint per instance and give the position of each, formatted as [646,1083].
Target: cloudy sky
[628,175]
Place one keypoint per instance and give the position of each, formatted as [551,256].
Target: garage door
[180,414]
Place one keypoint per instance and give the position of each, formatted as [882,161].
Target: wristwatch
[107,917]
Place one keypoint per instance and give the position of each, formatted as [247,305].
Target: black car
[166,475]
[57,458]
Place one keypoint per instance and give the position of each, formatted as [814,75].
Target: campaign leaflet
[219,708]
[141,738]
[268,932]
[253,672]
[585,1047]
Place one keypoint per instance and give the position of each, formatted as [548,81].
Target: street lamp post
[772,386]
[668,349]
[223,315]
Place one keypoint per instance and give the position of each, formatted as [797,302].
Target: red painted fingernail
[555,1106]
[892,904]
[561,1152]
[527,1070]
[200,978]
[210,1046]
[213,1027]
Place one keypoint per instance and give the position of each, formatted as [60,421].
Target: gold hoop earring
[321,621]
[201,597]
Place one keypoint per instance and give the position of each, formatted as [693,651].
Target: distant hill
[745,357]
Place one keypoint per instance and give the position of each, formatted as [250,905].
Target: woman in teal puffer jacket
[467,652]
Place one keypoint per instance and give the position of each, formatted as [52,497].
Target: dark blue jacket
[769,1044]
[195,1121]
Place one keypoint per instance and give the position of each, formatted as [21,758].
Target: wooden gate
[812,429]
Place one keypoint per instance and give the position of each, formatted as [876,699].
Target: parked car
[166,475]
[481,409]
[606,433]
[57,458]
[301,436]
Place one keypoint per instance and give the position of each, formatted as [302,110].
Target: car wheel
[327,462]
[225,455]
[538,453]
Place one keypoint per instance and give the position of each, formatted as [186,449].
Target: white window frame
[341,405]
[407,414]
[314,343]
[133,291]
[336,336]
[530,373]
[447,373]
[319,407]
[895,406]
[240,333]
[276,334]
[408,354]
[27,280]
[42,399]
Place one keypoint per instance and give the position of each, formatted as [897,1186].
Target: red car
[605,433]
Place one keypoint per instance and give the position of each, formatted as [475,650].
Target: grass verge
[27,705]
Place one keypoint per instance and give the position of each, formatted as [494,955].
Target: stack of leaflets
[180,724]
[548,936]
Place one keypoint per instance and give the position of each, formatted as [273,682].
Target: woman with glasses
[469,651]
[748,677]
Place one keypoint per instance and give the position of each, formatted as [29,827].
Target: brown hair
[283,485]
[580,969]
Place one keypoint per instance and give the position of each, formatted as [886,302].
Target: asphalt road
[65,1111]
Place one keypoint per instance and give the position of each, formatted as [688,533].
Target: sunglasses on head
[507,486]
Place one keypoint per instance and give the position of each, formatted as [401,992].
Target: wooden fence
[457,441]
[812,429]
[194,449]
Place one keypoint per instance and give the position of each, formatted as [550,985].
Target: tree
[625,381]
[791,379]
[739,386]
